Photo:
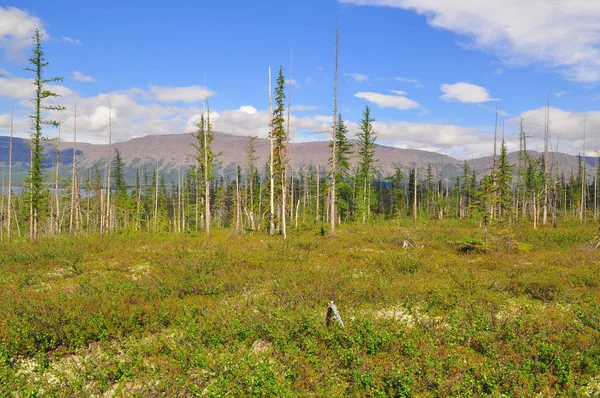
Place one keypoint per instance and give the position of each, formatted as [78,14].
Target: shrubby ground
[511,313]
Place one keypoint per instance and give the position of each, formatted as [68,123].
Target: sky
[434,72]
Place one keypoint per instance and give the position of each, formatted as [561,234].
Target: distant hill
[170,152]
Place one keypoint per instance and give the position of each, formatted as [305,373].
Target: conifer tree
[343,151]
[118,175]
[35,179]
[366,154]
[280,150]
[504,178]
[206,158]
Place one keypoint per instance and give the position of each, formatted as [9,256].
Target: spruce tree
[118,175]
[504,179]
[366,154]
[343,152]
[280,150]
[206,158]
[35,178]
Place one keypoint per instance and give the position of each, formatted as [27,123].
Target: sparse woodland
[218,286]
[275,197]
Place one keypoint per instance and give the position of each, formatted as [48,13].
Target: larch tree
[35,179]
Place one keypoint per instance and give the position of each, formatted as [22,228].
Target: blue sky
[433,71]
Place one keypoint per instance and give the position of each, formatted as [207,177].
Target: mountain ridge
[173,151]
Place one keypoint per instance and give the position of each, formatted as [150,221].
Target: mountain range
[171,152]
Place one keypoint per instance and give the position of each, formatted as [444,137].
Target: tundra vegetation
[467,286]
[244,315]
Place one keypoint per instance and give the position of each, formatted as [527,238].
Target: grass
[175,315]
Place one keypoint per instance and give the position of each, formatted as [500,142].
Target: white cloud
[465,92]
[250,110]
[398,101]
[358,77]
[80,77]
[136,112]
[71,40]
[16,28]
[309,80]
[414,82]
[4,72]
[499,71]
[566,129]
[140,112]
[560,94]
[561,34]
[292,82]
[320,68]
[180,94]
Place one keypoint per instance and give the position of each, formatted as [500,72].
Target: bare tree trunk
[334,147]
[10,150]
[32,225]
[55,219]
[271,171]
[415,197]
[74,173]
[546,176]
[318,214]
[156,198]
[582,209]
[108,187]
[238,199]
[206,179]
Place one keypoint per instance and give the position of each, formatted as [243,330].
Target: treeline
[273,197]
[242,201]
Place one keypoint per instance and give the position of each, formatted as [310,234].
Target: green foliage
[37,192]
[366,164]
[144,315]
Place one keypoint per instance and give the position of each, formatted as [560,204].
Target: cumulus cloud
[138,112]
[398,100]
[465,92]
[292,82]
[16,30]
[250,110]
[562,34]
[566,129]
[180,94]
[80,77]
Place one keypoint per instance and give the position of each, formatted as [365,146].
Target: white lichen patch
[57,273]
[411,318]
[139,271]
[592,389]
[396,314]
[261,347]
